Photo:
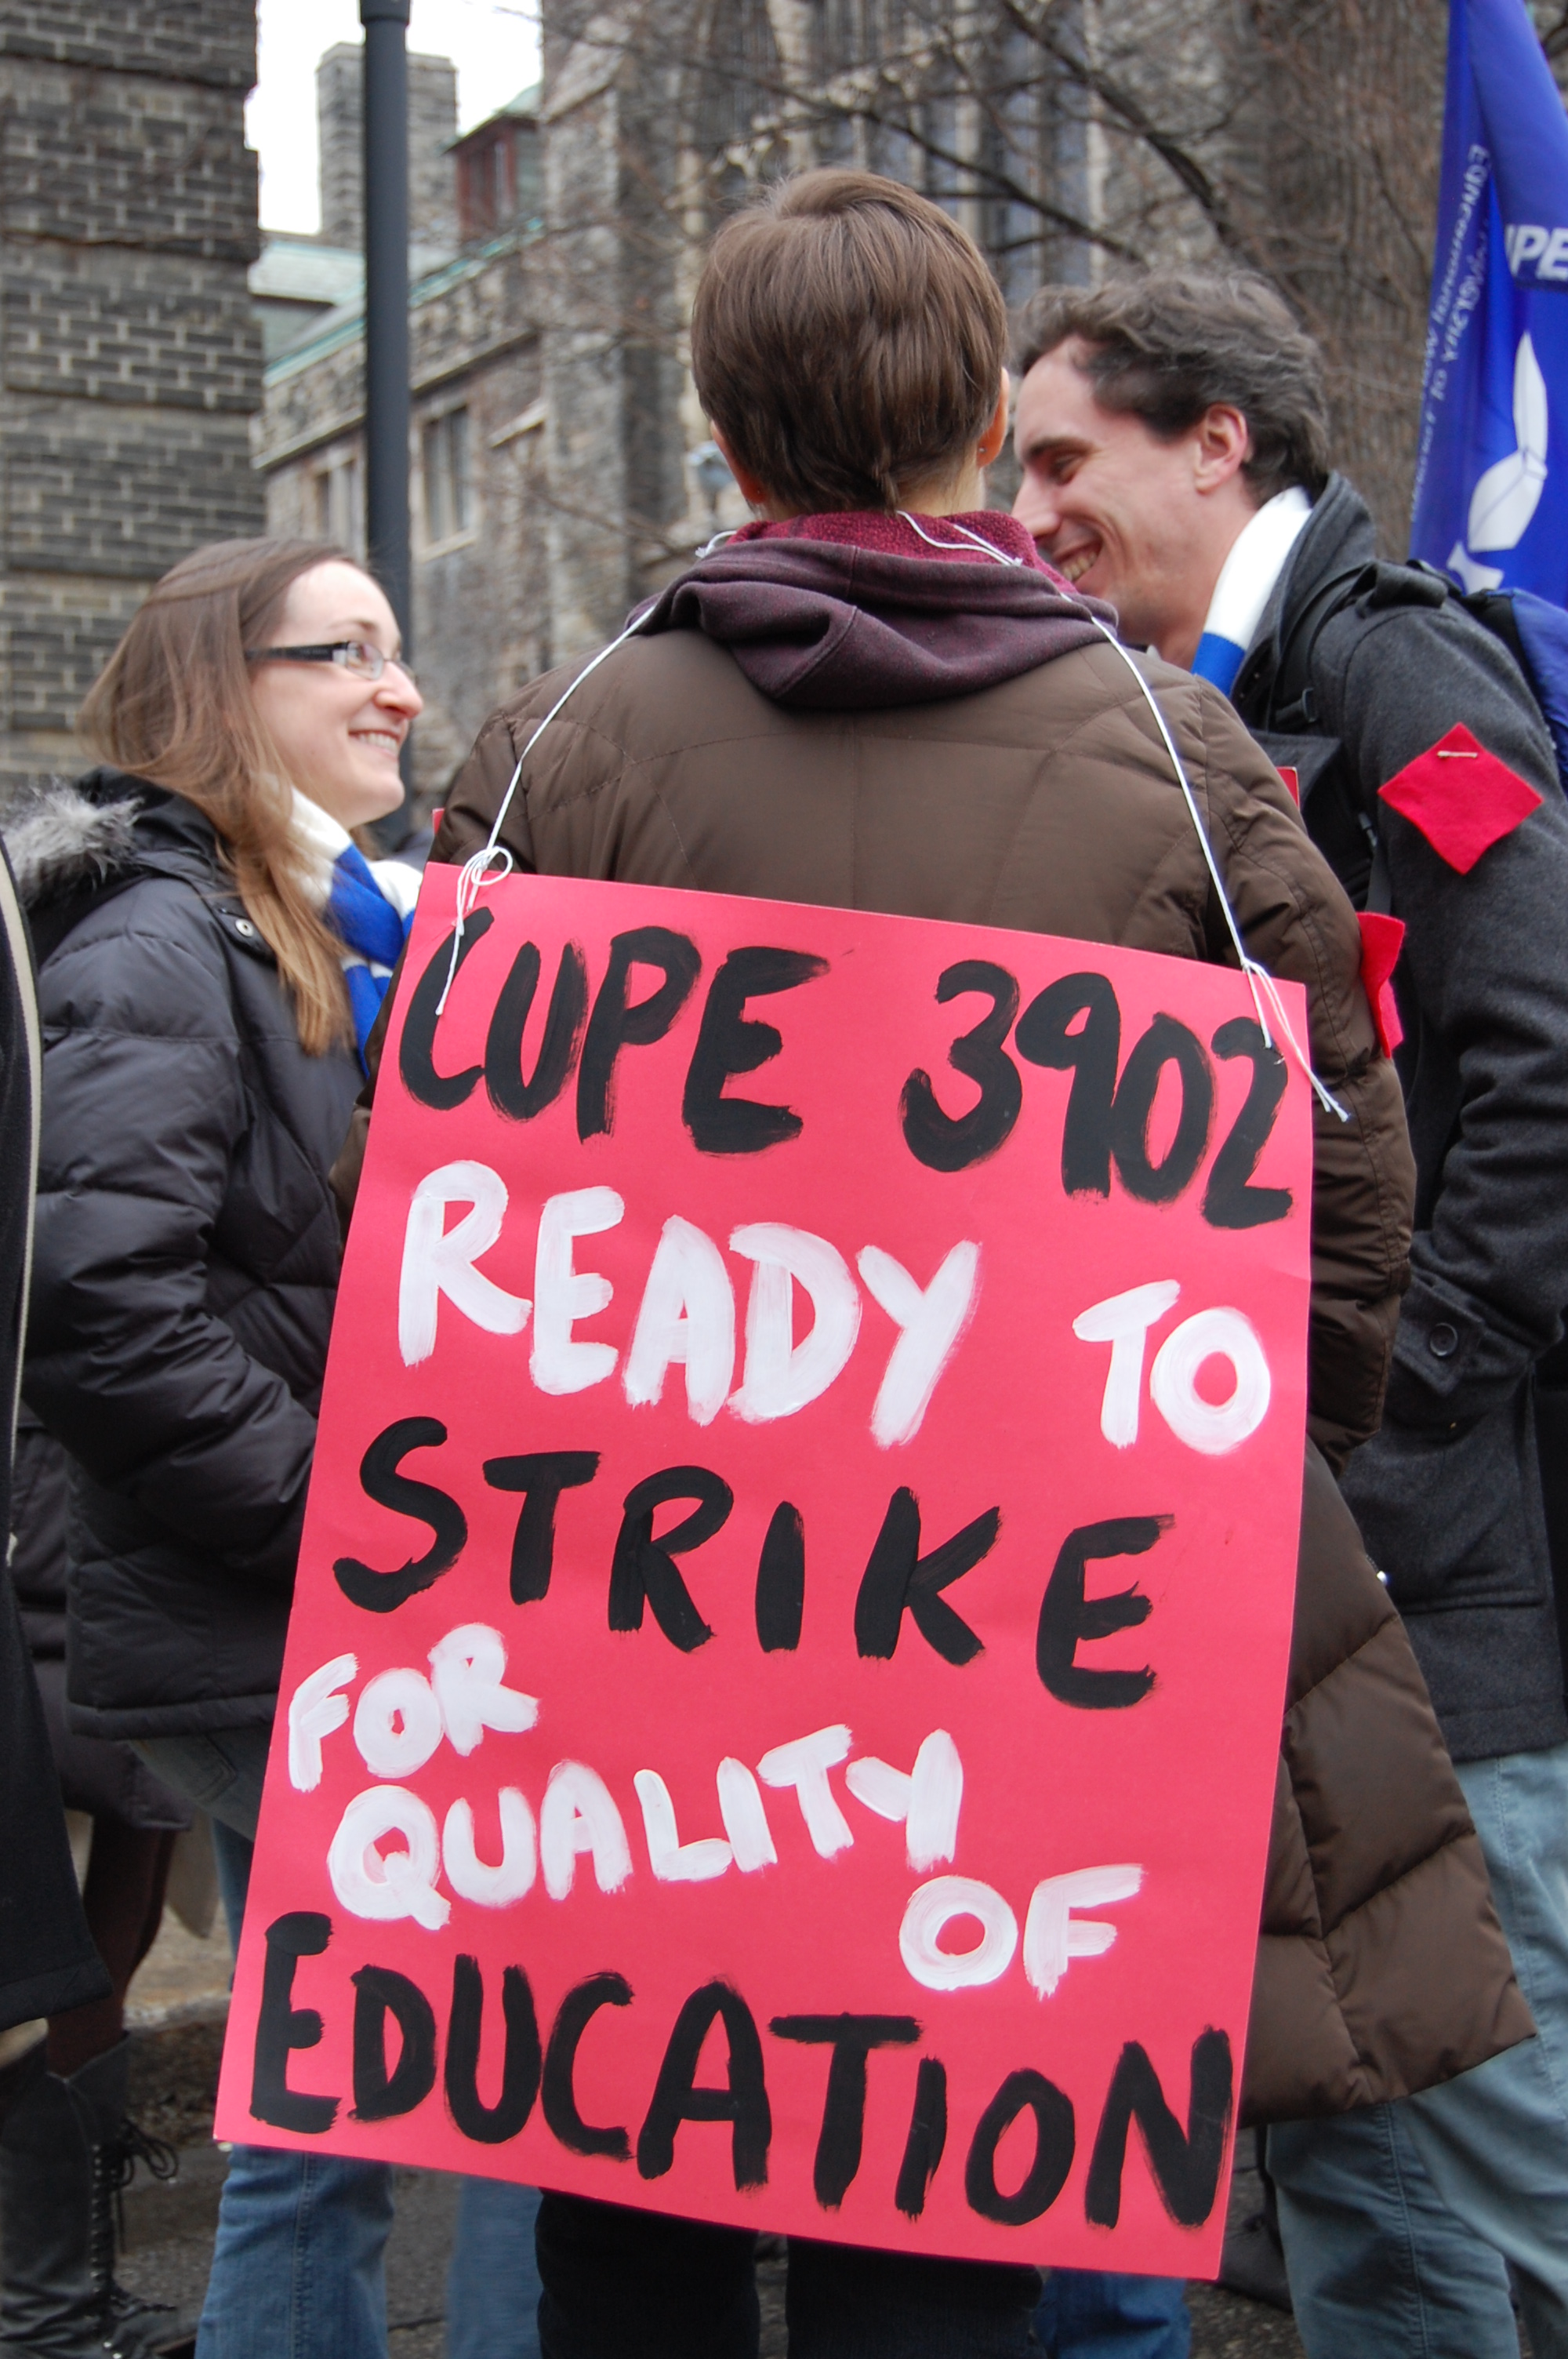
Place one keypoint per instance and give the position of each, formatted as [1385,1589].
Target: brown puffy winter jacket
[1047,802]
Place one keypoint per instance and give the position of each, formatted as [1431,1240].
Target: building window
[486,197]
[447,498]
[338,512]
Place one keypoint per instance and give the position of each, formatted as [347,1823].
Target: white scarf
[1247,578]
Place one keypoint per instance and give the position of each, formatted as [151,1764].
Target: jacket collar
[1339,535]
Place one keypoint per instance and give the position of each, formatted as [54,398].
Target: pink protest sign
[783,1696]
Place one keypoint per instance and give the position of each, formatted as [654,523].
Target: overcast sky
[495,49]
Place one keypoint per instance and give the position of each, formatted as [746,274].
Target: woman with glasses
[214,947]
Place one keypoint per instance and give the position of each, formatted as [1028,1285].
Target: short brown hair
[848,341]
[173,705]
[1167,344]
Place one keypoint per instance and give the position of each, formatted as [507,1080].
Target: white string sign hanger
[495,862]
[1260,981]
[477,871]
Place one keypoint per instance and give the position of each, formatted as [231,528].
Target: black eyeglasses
[355,655]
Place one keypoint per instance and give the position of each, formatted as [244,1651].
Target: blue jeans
[297,2269]
[493,2278]
[298,2265]
[1112,2315]
[1397,2221]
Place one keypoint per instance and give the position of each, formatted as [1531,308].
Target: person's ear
[753,490]
[1222,444]
[995,435]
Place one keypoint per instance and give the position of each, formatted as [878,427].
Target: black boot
[128,2327]
[49,2308]
[66,2152]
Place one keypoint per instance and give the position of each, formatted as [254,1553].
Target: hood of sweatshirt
[848,613]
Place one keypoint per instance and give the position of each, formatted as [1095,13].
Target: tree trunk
[1335,198]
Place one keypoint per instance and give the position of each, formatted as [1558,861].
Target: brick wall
[593,577]
[130,365]
[210,42]
[108,324]
[103,159]
[100,490]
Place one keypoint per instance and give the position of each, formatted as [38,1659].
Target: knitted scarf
[1256,561]
[368,904]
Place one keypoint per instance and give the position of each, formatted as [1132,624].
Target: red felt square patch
[1380,939]
[1462,797]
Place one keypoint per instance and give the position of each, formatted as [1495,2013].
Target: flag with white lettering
[1491,491]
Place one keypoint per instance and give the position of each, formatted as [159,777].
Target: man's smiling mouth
[1077,561]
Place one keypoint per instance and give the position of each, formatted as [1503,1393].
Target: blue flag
[1491,488]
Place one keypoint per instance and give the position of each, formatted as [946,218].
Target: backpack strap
[1494,610]
[1293,704]
[1284,711]
[1293,700]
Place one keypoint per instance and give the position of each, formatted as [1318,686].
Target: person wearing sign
[1173,430]
[195,913]
[877,696]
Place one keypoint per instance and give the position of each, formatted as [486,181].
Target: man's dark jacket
[1448,1494]
[187,1257]
[47,1964]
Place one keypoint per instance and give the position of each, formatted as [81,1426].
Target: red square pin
[1462,797]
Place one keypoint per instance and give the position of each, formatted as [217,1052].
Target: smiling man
[1143,491]
[1173,432]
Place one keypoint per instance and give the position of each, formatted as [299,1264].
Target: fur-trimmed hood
[70,834]
[72,845]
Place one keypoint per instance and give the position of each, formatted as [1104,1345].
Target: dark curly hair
[1166,345]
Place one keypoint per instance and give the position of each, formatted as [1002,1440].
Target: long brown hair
[173,705]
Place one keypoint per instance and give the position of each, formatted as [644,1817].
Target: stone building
[130,360]
[480,625]
[301,279]
[556,428]
[659,117]
[561,466]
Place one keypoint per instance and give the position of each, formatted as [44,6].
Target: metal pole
[386,25]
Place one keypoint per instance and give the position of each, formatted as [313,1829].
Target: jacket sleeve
[1487,954]
[1296,921]
[144,1108]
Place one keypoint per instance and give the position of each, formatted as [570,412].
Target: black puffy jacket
[186,1256]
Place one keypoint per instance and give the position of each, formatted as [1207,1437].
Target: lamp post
[386,25]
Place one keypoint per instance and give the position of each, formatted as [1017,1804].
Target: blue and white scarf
[369,905]
[1256,561]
